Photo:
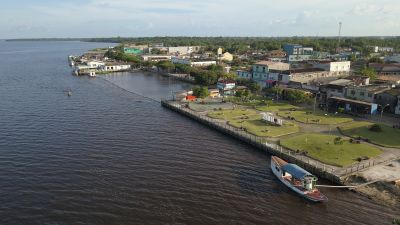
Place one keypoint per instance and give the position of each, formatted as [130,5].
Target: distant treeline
[242,44]
[51,39]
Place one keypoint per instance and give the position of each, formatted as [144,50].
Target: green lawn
[389,137]
[275,107]
[322,148]
[318,117]
[231,114]
[251,121]
[198,107]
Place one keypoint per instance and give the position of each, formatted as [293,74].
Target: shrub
[376,128]
[338,141]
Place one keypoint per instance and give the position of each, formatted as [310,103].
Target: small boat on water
[297,179]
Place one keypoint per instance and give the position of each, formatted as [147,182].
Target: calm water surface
[109,154]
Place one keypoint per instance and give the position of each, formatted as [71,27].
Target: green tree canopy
[200,92]
[368,72]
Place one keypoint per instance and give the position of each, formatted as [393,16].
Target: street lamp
[315,100]
[383,109]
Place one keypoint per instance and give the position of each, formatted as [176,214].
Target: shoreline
[381,192]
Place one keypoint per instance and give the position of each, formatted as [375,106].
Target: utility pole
[339,37]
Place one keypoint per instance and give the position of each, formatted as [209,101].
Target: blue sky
[133,18]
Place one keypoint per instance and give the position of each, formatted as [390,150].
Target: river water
[110,154]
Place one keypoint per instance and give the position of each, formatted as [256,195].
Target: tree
[166,65]
[255,87]
[297,96]
[242,93]
[352,58]
[204,78]
[200,92]
[368,72]
[231,76]
[375,60]
[183,68]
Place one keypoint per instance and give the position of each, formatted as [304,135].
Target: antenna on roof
[339,36]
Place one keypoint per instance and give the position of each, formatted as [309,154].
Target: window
[361,93]
[369,95]
[353,92]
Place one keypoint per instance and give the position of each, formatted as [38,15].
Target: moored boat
[297,179]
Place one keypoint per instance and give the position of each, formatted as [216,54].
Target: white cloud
[88,18]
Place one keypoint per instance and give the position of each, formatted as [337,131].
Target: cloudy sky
[104,18]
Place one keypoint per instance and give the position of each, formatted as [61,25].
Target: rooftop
[352,101]
[269,63]
[394,92]
[306,70]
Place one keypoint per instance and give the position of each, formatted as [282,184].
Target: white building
[115,67]
[377,49]
[156,58]
[183,50]
[94,64]
[185,61]
[338,68]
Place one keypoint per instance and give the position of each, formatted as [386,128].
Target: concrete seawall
[312,166]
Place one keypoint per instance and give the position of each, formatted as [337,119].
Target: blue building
[293,49]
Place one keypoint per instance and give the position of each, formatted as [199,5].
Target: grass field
[318,117]
[275,107]
[322,148]
[251,121]
[389,137]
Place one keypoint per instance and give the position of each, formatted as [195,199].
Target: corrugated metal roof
[296,171]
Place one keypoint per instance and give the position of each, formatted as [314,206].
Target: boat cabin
[298,176]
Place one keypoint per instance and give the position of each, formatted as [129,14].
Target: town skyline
[99,18]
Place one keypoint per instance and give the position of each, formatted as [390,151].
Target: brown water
[108,155]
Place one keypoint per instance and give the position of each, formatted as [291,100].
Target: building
[393,59]
[226,86]
[338,88]
[214,93]
[266,72]
[177,60]
[226,57]
[244,74]
[183,50]
[391,79]
[115,67]
[298,58]
[397,109]
[335,68]
[367,93]
[276,54]
[336,104]
[386,68]
[156,58]
[377,49]
[295,49]
[94,64]
[302,75]
[389,98]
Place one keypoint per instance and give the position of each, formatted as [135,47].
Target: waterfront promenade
[332,173]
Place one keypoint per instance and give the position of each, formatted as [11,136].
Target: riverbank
[382,191]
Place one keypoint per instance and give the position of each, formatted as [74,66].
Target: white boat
[297,179]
